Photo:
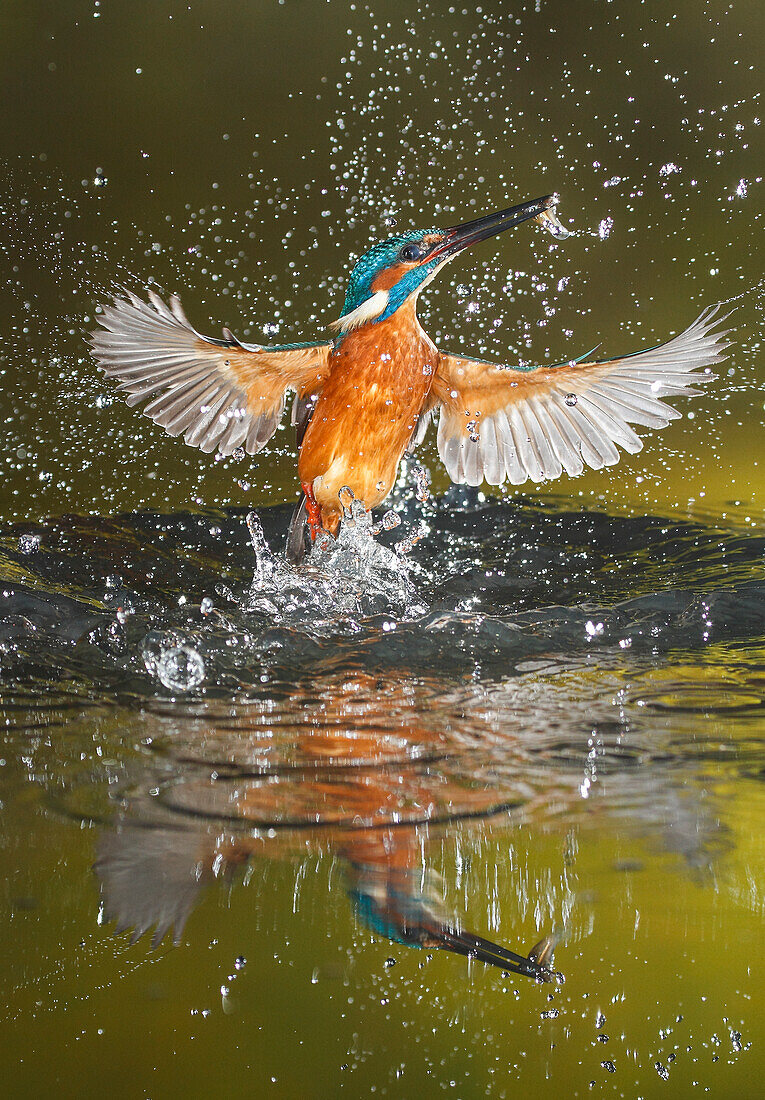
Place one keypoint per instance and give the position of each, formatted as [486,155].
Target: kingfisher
[367,396]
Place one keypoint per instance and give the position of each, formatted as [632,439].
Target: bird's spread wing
[218,394]
[503,423]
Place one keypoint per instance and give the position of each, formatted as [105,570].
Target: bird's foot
[313,511]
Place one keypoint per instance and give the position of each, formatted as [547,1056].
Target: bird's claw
[313,512]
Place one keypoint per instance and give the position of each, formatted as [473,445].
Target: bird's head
[393,271]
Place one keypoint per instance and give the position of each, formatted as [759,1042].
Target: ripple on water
[518,653]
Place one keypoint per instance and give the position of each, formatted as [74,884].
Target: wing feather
[537,423]
[218,394]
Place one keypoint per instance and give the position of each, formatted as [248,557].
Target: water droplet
[390,520]
[206,605]
[408,543]
[571,399]
[549,220]
[346,496]
[29,544]
[124,611]
[605,227]
[421,479]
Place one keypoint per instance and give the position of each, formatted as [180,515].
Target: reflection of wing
[511,423]
[220,394]
[149,877]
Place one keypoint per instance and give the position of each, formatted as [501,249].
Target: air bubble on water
[29,544]
[175,663]
[181,668]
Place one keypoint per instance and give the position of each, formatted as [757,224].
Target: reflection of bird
[344,772]
[394,906]
[151,877]
[368,395]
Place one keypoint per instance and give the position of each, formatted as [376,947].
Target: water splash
[352,575]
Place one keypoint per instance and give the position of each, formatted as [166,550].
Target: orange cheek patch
[388,278]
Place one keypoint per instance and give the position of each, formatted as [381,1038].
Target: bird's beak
[462,236]
[475,947]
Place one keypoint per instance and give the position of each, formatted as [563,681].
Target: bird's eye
[410,252]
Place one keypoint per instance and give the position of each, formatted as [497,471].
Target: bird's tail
[296,535]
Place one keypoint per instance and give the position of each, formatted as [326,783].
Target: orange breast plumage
[379,378]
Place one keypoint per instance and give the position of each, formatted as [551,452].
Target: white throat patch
[367,311]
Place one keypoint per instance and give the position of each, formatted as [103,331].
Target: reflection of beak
[475,947]
[462,236]
[405,918]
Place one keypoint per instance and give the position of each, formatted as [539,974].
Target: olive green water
[567,734]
